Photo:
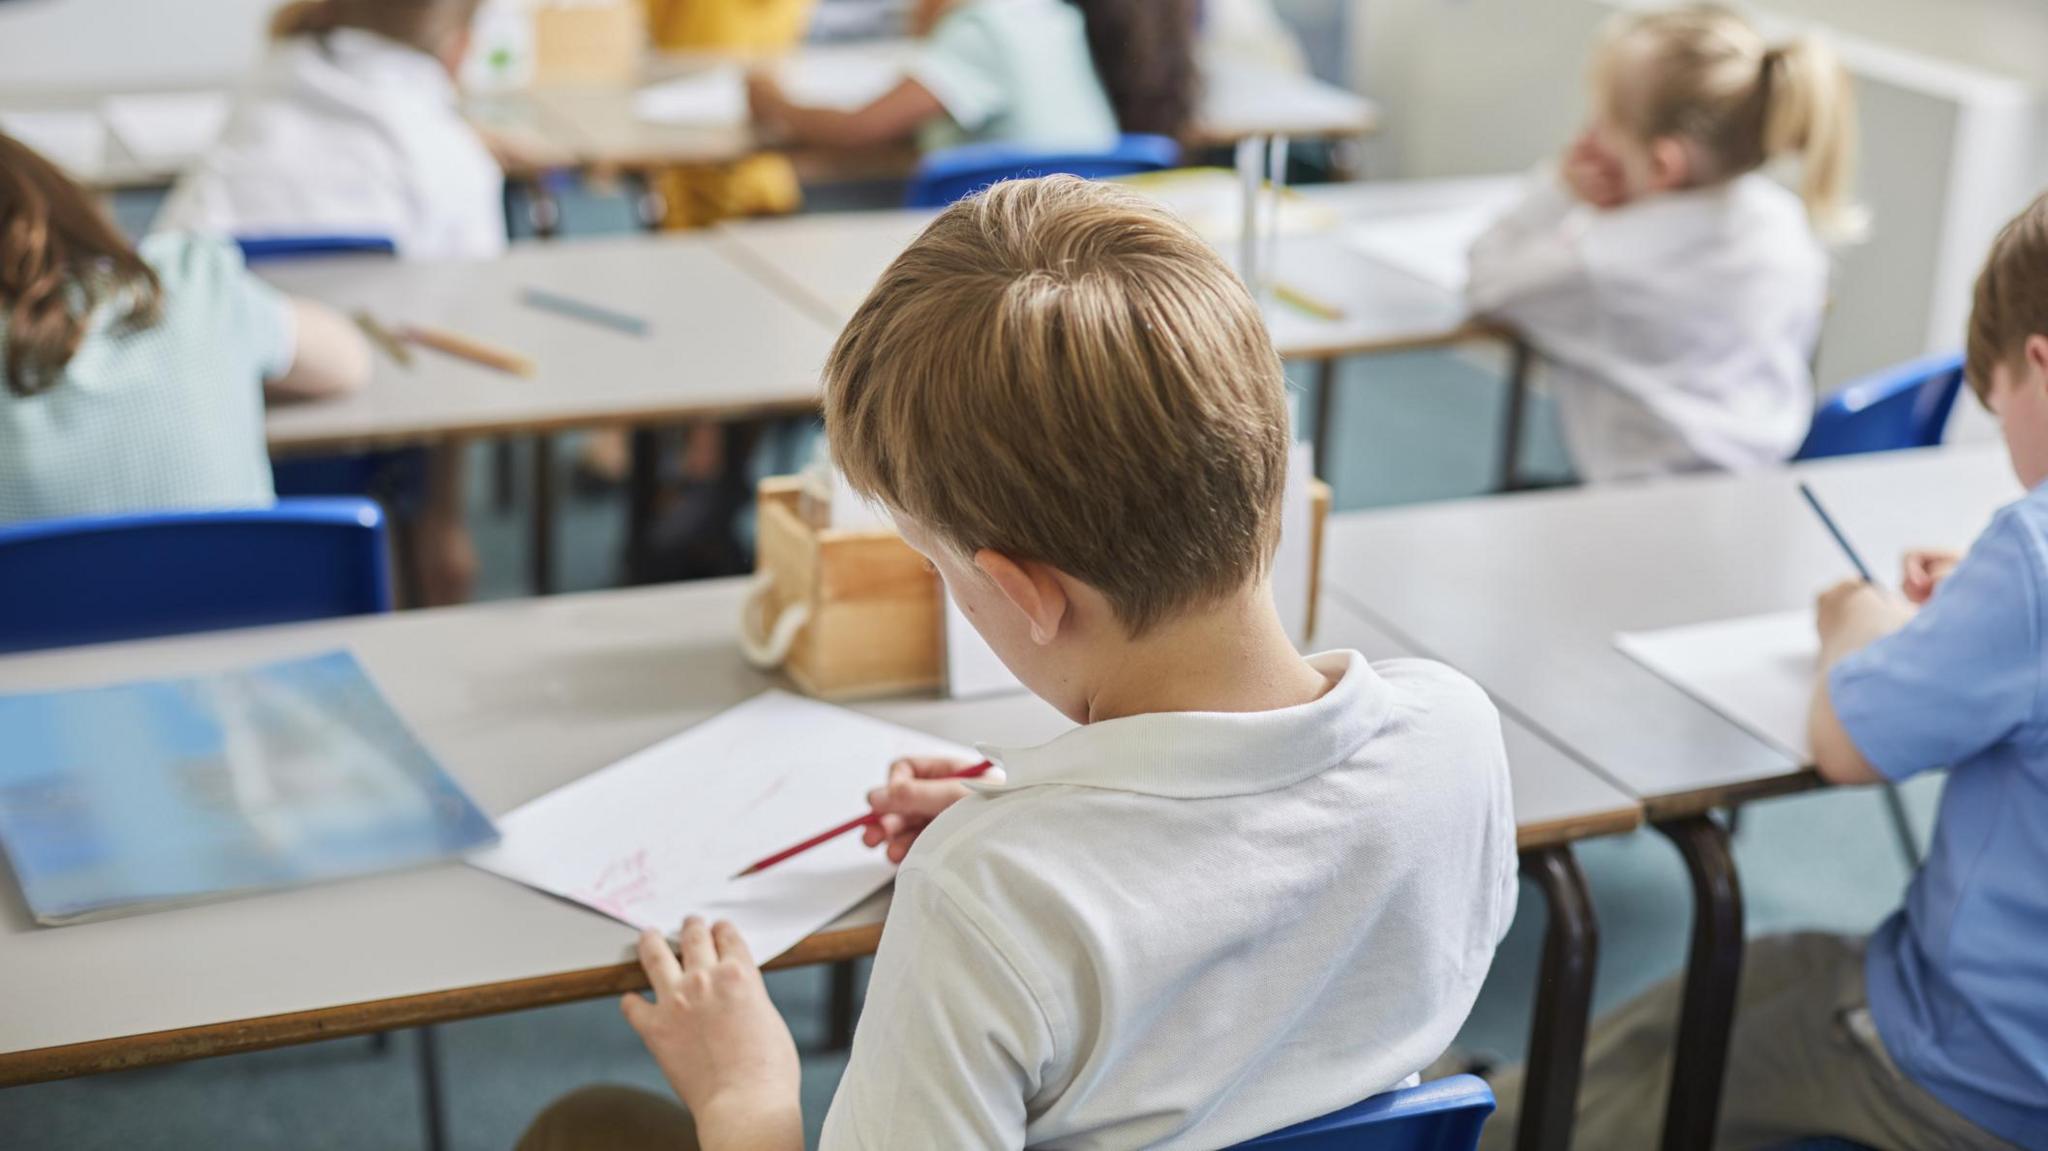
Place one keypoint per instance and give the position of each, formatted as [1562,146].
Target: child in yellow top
[1251,887]
[758,185]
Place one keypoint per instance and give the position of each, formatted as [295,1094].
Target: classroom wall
[57,44]
[1955,140]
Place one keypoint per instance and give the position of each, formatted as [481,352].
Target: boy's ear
[1670,164]
[2035,353]
[1034,589]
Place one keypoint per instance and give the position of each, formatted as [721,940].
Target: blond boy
[1251,888]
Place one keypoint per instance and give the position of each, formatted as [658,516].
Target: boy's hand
[1925,569]
[1853,614]
[718,1039]
[915,795]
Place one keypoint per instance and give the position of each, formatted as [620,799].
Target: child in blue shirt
[1958,978]
[1933,1031]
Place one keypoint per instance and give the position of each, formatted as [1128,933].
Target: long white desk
[517,699]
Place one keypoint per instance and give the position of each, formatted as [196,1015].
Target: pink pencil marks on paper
[623,884]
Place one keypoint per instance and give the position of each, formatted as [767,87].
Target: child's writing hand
[915,795]
[1925,569]
[1853,614]
[718,1039]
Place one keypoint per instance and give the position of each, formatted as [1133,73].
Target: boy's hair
[61,258]
[2012,297]
[1064,372]
[426,25]
[1703,73]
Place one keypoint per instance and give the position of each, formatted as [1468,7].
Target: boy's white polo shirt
[1186,930]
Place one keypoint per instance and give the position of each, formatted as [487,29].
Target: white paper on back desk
[659,834]
[1757,671]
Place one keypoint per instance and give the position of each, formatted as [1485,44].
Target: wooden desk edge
[1572,829]
[1682,805]
[132,1051]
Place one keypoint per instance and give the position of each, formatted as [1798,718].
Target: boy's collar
[1200,755]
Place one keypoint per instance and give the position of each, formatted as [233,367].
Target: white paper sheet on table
[72,139]
[1431,246]
[167,126]
[1757,671]
[717,97]
[659,835]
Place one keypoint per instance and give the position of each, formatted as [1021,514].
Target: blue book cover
[142,795]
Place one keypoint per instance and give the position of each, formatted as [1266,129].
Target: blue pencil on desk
[583,310]
[1828,521]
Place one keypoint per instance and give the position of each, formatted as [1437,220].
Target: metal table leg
[542,545]
[1519,357]
[1326,438]
[1712,978]
[1564,1002]
[643,485]
[843,1008]
[430,1090]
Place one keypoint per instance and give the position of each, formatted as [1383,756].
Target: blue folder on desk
[142,795]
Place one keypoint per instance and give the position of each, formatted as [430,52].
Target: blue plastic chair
[1905,407]
[956,173]
[1442,1115]
[267,249]
[96,579]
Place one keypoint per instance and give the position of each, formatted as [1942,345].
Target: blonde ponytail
[1810,112]
[1704,74]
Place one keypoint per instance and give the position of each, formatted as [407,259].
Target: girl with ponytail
[1673,288]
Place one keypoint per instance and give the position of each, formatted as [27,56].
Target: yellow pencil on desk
[1301,301]
[466,348]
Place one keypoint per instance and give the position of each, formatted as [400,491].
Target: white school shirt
[349,133]
[1677,332]
[1187,930]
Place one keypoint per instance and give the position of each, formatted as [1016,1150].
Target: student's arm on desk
[895,115]
[329,357]
[1527,269]
[1904,691]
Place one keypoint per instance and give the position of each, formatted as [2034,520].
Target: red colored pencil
[868,820]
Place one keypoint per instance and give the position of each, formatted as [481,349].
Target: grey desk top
[516,699]
[720,342]
[829,262]
[1525,594]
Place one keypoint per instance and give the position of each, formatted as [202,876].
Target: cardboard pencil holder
[853,614]
[588,43]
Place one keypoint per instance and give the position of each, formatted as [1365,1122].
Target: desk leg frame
[542,554]
[1325,413]
[1713,977]
[1519,358]
[1564,1002]
[431,1109]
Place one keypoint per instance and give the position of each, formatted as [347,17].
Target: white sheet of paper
[659,835]
[167,126]
[1757,672]
[972,667]
[717,97]
[1291,560]
[1431,246]
[72,139]
[714,97]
